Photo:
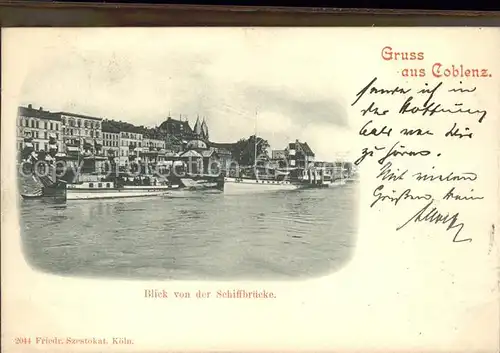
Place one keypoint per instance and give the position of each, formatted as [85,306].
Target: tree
[244,150]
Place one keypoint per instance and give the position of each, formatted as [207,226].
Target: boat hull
[233,186]
[32,196]
[116,193]
[201,184]
[336,183]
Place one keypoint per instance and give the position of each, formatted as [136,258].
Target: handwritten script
[397,118]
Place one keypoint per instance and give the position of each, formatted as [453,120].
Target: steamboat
[118,187]
[43,177]
[274,180]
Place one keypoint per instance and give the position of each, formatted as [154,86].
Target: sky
[280,83]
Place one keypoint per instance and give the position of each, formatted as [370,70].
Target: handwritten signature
[434,216]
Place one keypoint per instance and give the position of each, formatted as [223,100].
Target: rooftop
[301,145]
[227,145]
[119,126]
[177,123]
[79,115]
[109,127]
[38,113]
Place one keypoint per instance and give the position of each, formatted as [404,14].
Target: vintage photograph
[186,154]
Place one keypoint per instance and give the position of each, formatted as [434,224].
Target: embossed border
[68,14]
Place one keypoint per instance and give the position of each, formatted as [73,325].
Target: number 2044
[22,340]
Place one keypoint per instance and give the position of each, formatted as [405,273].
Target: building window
[91,185]
[37,146]
[45,125]
[37,124]
[45,135]
[32,123]
[26,123]
[108,185]
[97,125]
[99,185]
[57,127]
[97,134]
[91,133]
[79,123]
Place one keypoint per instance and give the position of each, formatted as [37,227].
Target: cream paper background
[412,290]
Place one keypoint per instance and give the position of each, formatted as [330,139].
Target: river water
[194,235]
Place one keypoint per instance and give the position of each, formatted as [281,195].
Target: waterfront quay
[91,144]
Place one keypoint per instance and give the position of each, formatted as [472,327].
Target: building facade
[224,153]
[41,125]
[300,155]
[151,143]
[110,140]
[130,146]
[78,135]
[153,148]
[81,132]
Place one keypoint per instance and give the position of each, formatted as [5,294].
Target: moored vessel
[285,179]
[234,186]
[202,182]
[111,190]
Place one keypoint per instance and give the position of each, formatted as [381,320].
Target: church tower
[204,129]
[197,127]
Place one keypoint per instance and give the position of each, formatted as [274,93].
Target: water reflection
[210,236]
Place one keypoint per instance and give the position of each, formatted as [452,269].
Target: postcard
[250,189]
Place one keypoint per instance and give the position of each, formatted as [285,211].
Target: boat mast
[78,169]
[255,146]
[342,168]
